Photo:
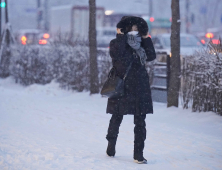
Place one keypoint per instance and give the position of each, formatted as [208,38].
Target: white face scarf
[134,40]
[133,32]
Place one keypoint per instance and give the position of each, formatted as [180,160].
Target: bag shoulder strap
[129,67]
[127,71]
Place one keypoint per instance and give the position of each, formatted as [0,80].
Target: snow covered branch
[201,80]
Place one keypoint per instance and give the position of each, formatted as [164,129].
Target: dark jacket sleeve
[147,44]
[118,46]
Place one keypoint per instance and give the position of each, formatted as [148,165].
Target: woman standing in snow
[132,38]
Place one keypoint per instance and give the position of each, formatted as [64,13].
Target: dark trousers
[139,130]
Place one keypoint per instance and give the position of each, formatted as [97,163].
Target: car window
[109,33]
[190,41]
[185,41]
[31,38]
[156,42]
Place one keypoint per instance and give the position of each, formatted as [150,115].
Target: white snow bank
[45,127]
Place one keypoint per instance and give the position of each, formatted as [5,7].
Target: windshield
[109,33]
[106,33]
[185,41]
[32,38]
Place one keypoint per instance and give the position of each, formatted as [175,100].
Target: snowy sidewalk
[44,127]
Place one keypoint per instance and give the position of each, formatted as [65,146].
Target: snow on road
[45,127]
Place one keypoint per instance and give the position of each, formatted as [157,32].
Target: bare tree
[94,83]
[174,82]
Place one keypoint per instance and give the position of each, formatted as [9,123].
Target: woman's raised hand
[118,30]
[146,36]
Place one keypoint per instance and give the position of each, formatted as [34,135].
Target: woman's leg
[139,136]
[113,132]
[114,125]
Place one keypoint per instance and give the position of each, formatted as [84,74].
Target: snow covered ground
[45,127]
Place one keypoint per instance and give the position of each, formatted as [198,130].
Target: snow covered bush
[29,65]
[201,81]
[71,67]
[66,63]
[104,66]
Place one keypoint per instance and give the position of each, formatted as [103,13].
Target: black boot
[111,148]
[139,138]
[138,158]
[113,132]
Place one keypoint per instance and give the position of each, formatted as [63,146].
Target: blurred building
[197,16]
[201,15]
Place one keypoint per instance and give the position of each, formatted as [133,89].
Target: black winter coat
[137,98]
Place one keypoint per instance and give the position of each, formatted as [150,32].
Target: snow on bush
[201,81]
[29,65]
[67,64]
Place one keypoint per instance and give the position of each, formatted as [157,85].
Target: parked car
[188,44]
[32,37]
[212,34]
[105,35]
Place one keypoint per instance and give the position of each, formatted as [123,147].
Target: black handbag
[114,85]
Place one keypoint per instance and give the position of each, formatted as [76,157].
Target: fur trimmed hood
[127,22]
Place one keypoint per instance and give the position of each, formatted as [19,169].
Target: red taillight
[42,42]
[151,19]
[46,36]
[215,41]
[203,41]
[23,40]
[209,35]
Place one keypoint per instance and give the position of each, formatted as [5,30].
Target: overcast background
[206,13]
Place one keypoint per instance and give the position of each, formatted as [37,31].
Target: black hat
[127,22]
